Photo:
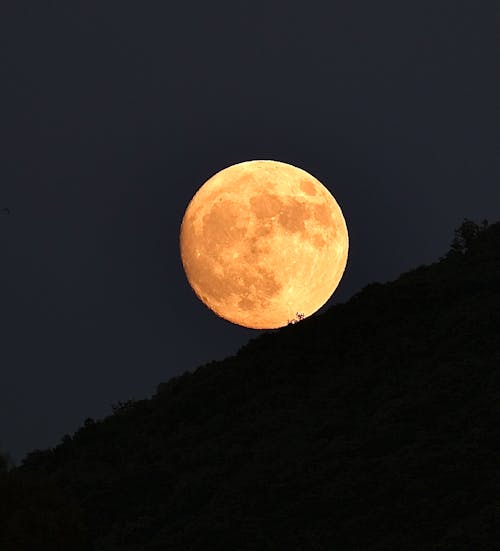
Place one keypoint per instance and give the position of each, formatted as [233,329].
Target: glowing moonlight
[263,244]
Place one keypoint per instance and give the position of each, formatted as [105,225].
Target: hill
[373,426]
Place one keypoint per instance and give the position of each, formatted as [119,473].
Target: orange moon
[263,244]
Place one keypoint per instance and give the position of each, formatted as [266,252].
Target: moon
[263,244]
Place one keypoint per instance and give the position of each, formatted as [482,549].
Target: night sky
[114,113]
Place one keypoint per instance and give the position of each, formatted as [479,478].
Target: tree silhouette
[466,234]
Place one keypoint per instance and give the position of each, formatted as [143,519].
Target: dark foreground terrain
[375,426]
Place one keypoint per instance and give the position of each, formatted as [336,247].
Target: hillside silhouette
[374,426]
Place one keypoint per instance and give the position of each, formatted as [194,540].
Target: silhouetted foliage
[122,407]
[299,316]
[466,234]
[373,426]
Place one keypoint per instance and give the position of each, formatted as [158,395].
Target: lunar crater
[308,187]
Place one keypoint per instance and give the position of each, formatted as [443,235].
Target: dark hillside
[374,427]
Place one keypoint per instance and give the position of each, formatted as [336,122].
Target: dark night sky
[114,113]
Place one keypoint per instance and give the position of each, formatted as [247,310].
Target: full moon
[263,244]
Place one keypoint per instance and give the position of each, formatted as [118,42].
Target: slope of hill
[373,427]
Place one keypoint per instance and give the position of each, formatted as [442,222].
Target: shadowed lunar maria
[263,244]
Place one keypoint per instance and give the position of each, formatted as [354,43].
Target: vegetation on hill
[373,426]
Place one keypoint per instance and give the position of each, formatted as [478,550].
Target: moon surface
[263,244]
